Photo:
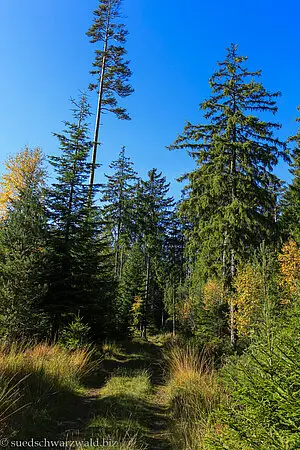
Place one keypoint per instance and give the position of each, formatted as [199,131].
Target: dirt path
[121,402]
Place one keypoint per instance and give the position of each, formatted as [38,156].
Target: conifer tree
[132,291]
[231,201]
[79,272]
[117,194]
[154,208]
[23,260]
[291,201]
[110,67]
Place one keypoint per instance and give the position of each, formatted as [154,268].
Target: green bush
[265,388]
[75,335]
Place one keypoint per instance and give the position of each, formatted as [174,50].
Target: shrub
[265,388]
[75,335]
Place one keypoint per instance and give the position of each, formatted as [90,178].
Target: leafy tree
[289,269]
[80,268]
[231,192]
[110,67]
[118,195]
[21,169]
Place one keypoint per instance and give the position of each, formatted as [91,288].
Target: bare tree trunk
[146,298]
[232,327]
[99,106]
[174,316]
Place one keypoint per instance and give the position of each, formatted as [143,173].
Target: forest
[134,320]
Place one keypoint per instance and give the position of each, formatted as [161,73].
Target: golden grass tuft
[51,362]
[30,375]
[194,394]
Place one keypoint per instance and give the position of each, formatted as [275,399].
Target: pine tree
[231,201]
[23,260]
[291,201]
[130,301]
[117,195]
[153,208]
[110,68]
[80,260]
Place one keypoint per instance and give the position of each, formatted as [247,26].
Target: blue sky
[173,47]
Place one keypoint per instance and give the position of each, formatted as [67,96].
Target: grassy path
[121,402]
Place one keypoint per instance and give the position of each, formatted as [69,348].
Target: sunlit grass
[59,366]
[194,394]
[31,379]
[125,382]
[123,408]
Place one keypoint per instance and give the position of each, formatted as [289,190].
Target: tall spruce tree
[79,270]
[291,201]
[118,198]
[23,261]
[154,209]
[111,69]
[231,202]
[130,300]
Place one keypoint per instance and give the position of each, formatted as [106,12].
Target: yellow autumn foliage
[289,264]
[21,170]
[136,310]
[248,286]
[212,293]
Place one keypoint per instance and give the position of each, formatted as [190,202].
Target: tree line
[122,257]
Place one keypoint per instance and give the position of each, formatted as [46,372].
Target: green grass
[126,406]
[122,409]
[58,391]
[128,382]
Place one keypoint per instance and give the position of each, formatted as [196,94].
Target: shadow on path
[98,415]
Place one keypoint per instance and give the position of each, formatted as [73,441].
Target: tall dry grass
[194,394]
[59,366]
[30,375]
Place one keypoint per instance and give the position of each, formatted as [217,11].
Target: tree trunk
[174,316]
[146,298]
[99,106]
[232,327]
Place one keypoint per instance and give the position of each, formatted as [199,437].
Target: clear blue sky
[173,47]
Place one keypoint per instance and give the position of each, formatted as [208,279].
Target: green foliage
[291,201]
[230,196]
[23,259]
[264,384]
[80,275]
[110,67]
[131,288]
[154,210]
[118,212]
[75,335]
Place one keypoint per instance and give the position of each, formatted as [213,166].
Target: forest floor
[120,405]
